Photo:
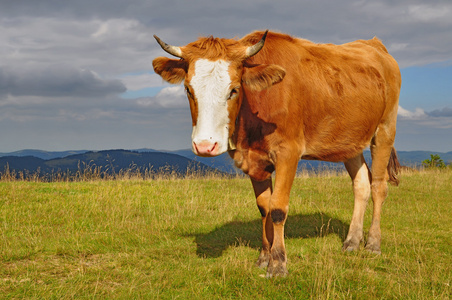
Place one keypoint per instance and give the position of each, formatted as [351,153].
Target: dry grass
[198,238]
[91,172]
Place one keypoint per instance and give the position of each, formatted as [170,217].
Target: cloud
[142,81]
[122,30]
[444,112]
[431,12]
[169,97]
[439,119]
[418,113]
[93,123]
[56,81]
[108,47]
[394,47]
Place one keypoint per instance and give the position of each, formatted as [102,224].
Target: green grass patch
[199,238]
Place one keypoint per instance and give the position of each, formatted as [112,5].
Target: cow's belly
[337,151]
[338,140]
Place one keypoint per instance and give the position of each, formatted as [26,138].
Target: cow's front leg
[285,169]
[263,192]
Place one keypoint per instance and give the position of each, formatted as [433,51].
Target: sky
[78,74]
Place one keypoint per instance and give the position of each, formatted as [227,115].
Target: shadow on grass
[213,244]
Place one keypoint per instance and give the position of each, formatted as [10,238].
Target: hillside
[43,154]
[407,158]
[110,161]
[116,160]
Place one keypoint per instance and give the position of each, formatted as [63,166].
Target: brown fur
[171,70]
[337,92]
[260,77]
[304,100]
[213,48]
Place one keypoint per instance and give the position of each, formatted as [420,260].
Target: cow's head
[214,72]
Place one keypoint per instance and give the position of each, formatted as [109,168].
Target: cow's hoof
[373,245]
[263,260]
[350,246]
[276,269]
[373,249]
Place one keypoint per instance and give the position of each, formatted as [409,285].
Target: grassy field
[199,239]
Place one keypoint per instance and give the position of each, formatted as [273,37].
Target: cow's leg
[285,170]
[263,192]
[360,175]
[381,147]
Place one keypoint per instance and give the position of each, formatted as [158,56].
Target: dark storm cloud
[412,28]
[56,81]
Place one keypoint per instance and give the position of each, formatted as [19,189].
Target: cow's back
[332,97]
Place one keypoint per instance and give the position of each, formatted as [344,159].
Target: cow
[270,99]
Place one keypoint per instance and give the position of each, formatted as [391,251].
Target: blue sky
[428,87]
[78,74]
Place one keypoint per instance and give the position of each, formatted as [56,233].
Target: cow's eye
[187,90]
[233,93]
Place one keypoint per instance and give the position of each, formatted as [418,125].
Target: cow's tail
[393,168]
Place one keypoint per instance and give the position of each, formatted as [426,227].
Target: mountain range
[179,161]
[106,162]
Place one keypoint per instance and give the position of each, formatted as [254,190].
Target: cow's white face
[210,90]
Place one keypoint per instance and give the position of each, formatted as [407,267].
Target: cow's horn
[252,50]
[173,50]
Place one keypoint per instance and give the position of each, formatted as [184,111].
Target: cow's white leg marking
[359,172]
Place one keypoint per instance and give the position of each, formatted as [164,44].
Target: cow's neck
[251,152]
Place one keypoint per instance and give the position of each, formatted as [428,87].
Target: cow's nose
[206,148]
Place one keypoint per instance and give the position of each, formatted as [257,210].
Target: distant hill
[415,158]
[180,160]
[43,154]
[109,161]
[406,158]
[222,162]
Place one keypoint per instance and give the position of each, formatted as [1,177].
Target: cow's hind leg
[381,149]
[263,192]
[360,175]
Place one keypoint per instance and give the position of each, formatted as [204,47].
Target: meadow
[198,238]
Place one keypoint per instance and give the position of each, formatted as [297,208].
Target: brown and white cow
[292,99]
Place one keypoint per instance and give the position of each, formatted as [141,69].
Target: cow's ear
[260,77]
[171,70]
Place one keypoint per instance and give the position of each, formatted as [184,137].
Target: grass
[199,238]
